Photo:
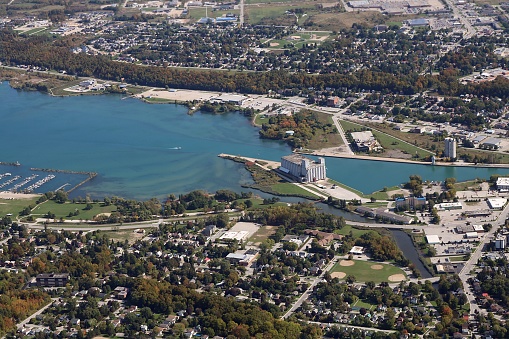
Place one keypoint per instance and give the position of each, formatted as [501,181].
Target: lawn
[378,195]
[14,206]
[287,188]
[158,100]
[63,210]
[363,272]
[356,232]
[456,259]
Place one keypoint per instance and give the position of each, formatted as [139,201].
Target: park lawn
[263,233]
[363,272]
[34,30]
[456,259]
[15,206]
[287,188]
[260,119]
[356,232]
[63,210]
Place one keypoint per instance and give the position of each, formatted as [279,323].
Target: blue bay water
[132,146]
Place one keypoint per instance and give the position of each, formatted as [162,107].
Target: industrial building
[450,148]
[503,184]
[305,169]
[364,141]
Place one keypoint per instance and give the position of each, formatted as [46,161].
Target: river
[142,151]
[406,246]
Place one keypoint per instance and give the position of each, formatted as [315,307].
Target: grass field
[63,210]
[201,12]
[14,206]
[336,20]
[321,140]
[128,235]
[271,11]
[363,272]
[362,304]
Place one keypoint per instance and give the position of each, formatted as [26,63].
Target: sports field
[364,271]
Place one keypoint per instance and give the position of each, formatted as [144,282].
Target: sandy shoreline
[17,196]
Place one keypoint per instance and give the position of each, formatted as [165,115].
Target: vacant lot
[263,233]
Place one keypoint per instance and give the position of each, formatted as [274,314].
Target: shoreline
[185,96]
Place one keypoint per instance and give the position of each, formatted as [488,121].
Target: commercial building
[496,203]
[450,148]
[503,184]
[500,242]
[305,169]
[491,144]
[52,279]
[433,239]
[231,236]
[410,203]
[449,206]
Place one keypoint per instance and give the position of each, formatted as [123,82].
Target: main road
[474,258]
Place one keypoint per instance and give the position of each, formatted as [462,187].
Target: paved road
[308,292]
[464,20]
[352,326]
[27,320]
